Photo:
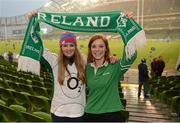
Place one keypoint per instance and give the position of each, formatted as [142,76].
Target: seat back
[40,103]
[10,115]
[31,118]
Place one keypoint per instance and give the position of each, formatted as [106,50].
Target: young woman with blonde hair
[68,99]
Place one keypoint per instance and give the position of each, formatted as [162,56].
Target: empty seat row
[31,102]
[17,113]
[167,89]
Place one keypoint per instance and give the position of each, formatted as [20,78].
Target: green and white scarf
[32,49]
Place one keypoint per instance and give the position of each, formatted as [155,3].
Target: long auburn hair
[90,57]
[63,62]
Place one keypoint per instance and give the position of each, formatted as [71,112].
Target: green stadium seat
[10,115]
[171,78]
[6,95]
[176,87]
[37,83]
[18,108]
[49,91]
[171,83]
[48,80]
[2,102]
[1,79]
[40,103]
[159,90]
[31,118]
[26,88]
[153,86]
[1,90]
[10,77]
[167,95]
[21,98]
[25,81]
[37,78]
[40,91]
[14,78]
[14,85]
[41,79]
[175,104]
[4,84]
[21,79]
[43,115]
[48,85]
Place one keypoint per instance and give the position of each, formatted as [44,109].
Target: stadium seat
[43,115]
[1,90]
[6,95]
[31,118]
[4,84]
[153,86]
[26,88]
[176,87]
[21,80]
[49,91]
[14,85]
[175,104]
[47,79]
[13,78]
[10,115]
[37,78]
[37,83]
[159,90]
[40,103]
[1,79]
[18,108]
[171,78]
[40,91]
[2,102]
[48,85]
[167,95]
[21,98]
[174,83]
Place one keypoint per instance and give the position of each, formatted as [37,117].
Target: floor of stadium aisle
[146,109]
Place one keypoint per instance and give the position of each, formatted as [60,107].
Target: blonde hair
[62,66]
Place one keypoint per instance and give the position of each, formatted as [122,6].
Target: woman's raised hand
[129,14]
[31,13]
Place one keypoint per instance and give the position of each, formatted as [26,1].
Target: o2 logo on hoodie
[72,87]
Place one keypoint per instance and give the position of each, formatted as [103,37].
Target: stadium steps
[146,109]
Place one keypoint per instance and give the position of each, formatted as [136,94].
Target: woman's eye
[72,45]
[101,46]
[64,45]
[93,46]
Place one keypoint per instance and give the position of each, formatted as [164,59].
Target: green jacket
[102,85]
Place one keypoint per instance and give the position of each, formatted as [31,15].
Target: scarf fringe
[29,65]
[136,42]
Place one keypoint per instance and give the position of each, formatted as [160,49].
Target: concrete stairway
[146,109]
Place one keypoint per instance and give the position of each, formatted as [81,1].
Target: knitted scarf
[32,49]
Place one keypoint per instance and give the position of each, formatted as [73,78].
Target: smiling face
[98,49]
[68,49]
